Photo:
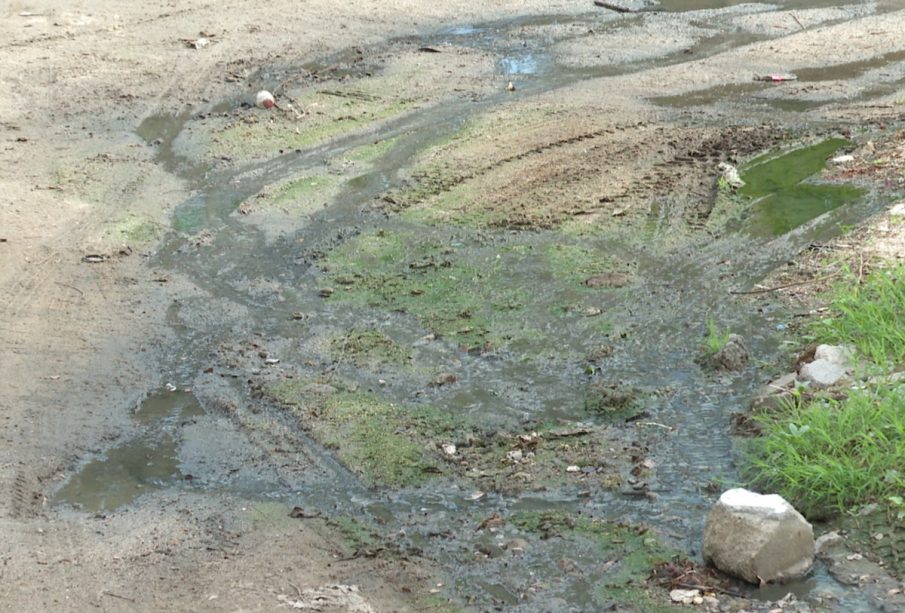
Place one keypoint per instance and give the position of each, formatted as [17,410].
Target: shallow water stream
[252,285]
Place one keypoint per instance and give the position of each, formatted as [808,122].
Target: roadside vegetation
[838,452]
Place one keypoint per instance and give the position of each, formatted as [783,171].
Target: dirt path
[86,312]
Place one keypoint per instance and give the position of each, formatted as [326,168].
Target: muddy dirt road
[430,326]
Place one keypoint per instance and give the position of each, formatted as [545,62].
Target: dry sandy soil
[81,343]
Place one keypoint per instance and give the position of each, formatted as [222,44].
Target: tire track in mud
[645,163]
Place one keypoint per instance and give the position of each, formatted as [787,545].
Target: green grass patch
[826,456]
[354,534]
[329,114]
[869,315]
[716,339]
[577,263]
[370,153]
[304,188]
[369,348]
[384,443]
[137,230]
[473,304]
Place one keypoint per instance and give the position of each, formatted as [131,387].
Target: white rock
[573,469]
[730,175]
[898,210]
[448,449]
[843,159]
[822,373]
[685,596]
[837,354]
[758,538]
[264,99]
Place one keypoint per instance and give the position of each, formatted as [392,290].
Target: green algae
[327,115]
[301,192]
[370,153]
[137,230]
[633,551]
[369,348]
[783,198]
[383,443]
[578,263]
[469,303]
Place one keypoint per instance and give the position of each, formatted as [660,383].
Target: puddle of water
[783,198]
[138,466]
[167,406]
[122,475]
[747,93]
[524,65]
[700,5]
[850,70]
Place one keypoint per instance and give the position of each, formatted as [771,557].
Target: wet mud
[463,321]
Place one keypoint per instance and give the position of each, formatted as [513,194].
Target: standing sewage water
[474,328]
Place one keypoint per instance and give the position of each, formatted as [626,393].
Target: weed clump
[827,455]
[869,315]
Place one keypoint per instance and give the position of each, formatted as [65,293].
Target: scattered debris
[604,4]
[686,596]
[445,378]
[196,43]
[729,173]
[776,77]
[264,99]
[94,258]
[300,513]
[328,598]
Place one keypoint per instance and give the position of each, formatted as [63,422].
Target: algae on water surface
[783,198]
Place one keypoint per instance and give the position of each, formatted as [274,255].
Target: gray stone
[822,373]
[775,394]
[734,355]
[758,538]
[837,354]
[827,542]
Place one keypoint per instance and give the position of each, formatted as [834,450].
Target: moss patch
[473,304]
[368,154]
[587,265]
[369,348]
[136,230]
[383,443]
[634,551]
[328,114]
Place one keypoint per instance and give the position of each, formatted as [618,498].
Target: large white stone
[758,538]
[837,354]
[822,373]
